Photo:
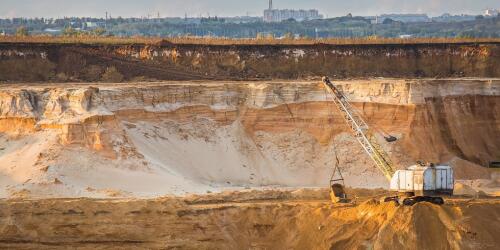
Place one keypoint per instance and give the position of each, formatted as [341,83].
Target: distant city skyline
[194,8]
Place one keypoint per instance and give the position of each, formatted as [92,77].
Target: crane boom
[361,130]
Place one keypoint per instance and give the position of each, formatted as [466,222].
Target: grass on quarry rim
[233,41]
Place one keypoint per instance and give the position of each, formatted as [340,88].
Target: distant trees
[99,31]
[466,34]
[69,31]
[22,31]
[340,27]
[263,35]
[389,21]
[289,36]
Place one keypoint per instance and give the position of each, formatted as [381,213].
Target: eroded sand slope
[150,139]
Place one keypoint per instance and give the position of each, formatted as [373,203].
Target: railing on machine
[361,130]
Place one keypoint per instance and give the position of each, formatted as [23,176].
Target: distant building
[277,15]
[48,21]
[372,19]
[92,25]
[491,12]
[52,31]
[404,18]
[405,36]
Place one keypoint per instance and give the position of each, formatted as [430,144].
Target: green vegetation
[341,27]
[262,40]
[71,32]
[22,31]
[344,27]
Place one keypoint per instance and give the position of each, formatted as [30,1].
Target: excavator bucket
[391,138]
[337,194]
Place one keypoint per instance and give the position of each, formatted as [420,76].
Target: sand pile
[466,190]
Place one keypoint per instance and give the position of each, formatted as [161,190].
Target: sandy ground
[300,219]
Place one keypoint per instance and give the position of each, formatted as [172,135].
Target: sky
[194,8]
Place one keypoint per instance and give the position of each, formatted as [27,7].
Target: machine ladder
[361,130]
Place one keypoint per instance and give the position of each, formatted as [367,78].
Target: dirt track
[254,220]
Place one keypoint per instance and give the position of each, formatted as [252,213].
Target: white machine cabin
[424,180]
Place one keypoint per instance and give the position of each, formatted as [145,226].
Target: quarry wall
[116,63]
[446,109]
[436,120]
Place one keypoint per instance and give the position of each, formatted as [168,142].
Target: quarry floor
[295,219]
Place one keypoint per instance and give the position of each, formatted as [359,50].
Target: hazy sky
[138,8]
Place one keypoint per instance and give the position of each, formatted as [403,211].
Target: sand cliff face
[202,136]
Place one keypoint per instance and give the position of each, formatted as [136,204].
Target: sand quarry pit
[240,165]
[188,152]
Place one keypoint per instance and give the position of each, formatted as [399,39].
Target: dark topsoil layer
[42,62]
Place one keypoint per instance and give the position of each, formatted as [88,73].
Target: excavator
[423,182]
